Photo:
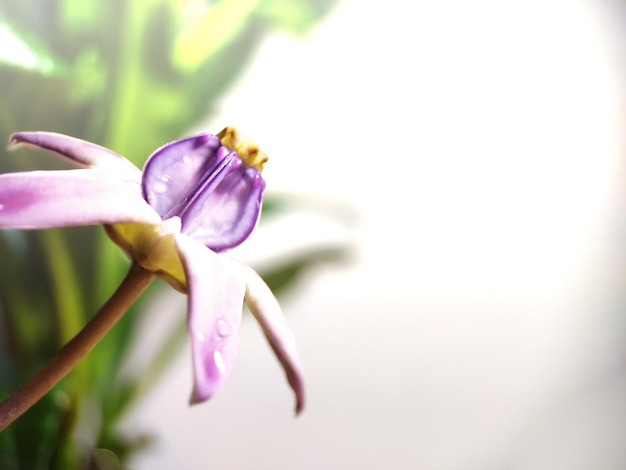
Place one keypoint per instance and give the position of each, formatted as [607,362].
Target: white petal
[267,311]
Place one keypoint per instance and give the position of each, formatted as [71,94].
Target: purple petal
[215,298]
[45,199]
[266,310]
[78,152]
[173,170]
[223,215]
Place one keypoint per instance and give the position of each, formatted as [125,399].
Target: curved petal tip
[77,152]
[266,310]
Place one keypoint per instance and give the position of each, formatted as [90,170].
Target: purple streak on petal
[173,170]
[266,310]
[45,199]
[223,215]
[215,298]
[78,152]
[226,161]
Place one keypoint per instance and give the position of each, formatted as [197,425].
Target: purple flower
[196,198]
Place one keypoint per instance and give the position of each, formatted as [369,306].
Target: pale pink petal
[45,199]
[215,302]
[266,310]
[78,152]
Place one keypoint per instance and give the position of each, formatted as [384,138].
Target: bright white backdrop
[479,326]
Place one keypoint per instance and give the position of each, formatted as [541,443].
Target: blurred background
[443,226]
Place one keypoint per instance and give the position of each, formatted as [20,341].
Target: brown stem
[135,282]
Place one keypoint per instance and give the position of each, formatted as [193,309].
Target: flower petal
[222,216]
[45,199]
[79,152]
[173,170]
[266,310]
[215,302]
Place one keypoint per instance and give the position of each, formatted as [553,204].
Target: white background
[481,324]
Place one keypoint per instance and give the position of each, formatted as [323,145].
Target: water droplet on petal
[200,337]
[224,328]
[187,159]
[161,185]
[1,206]
[219,362]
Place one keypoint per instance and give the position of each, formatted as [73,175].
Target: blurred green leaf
[104,459]
[82,16]
[287,272]
[19,50]
[295,16]
[35,441]
[206,34]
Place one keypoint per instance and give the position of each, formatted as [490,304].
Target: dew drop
[219,362]
[187,159]
[224,328]
[161,185]
[200,337]
[1,206]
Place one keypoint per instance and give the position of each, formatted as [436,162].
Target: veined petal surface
[224,215]
[46,199]
[174,170]
[78,152]
[266,310]
[215,302]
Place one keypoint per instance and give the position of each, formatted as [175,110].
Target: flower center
[246,149]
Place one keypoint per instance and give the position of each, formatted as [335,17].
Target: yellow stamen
[247,150]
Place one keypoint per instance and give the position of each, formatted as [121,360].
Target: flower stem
[135,282]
